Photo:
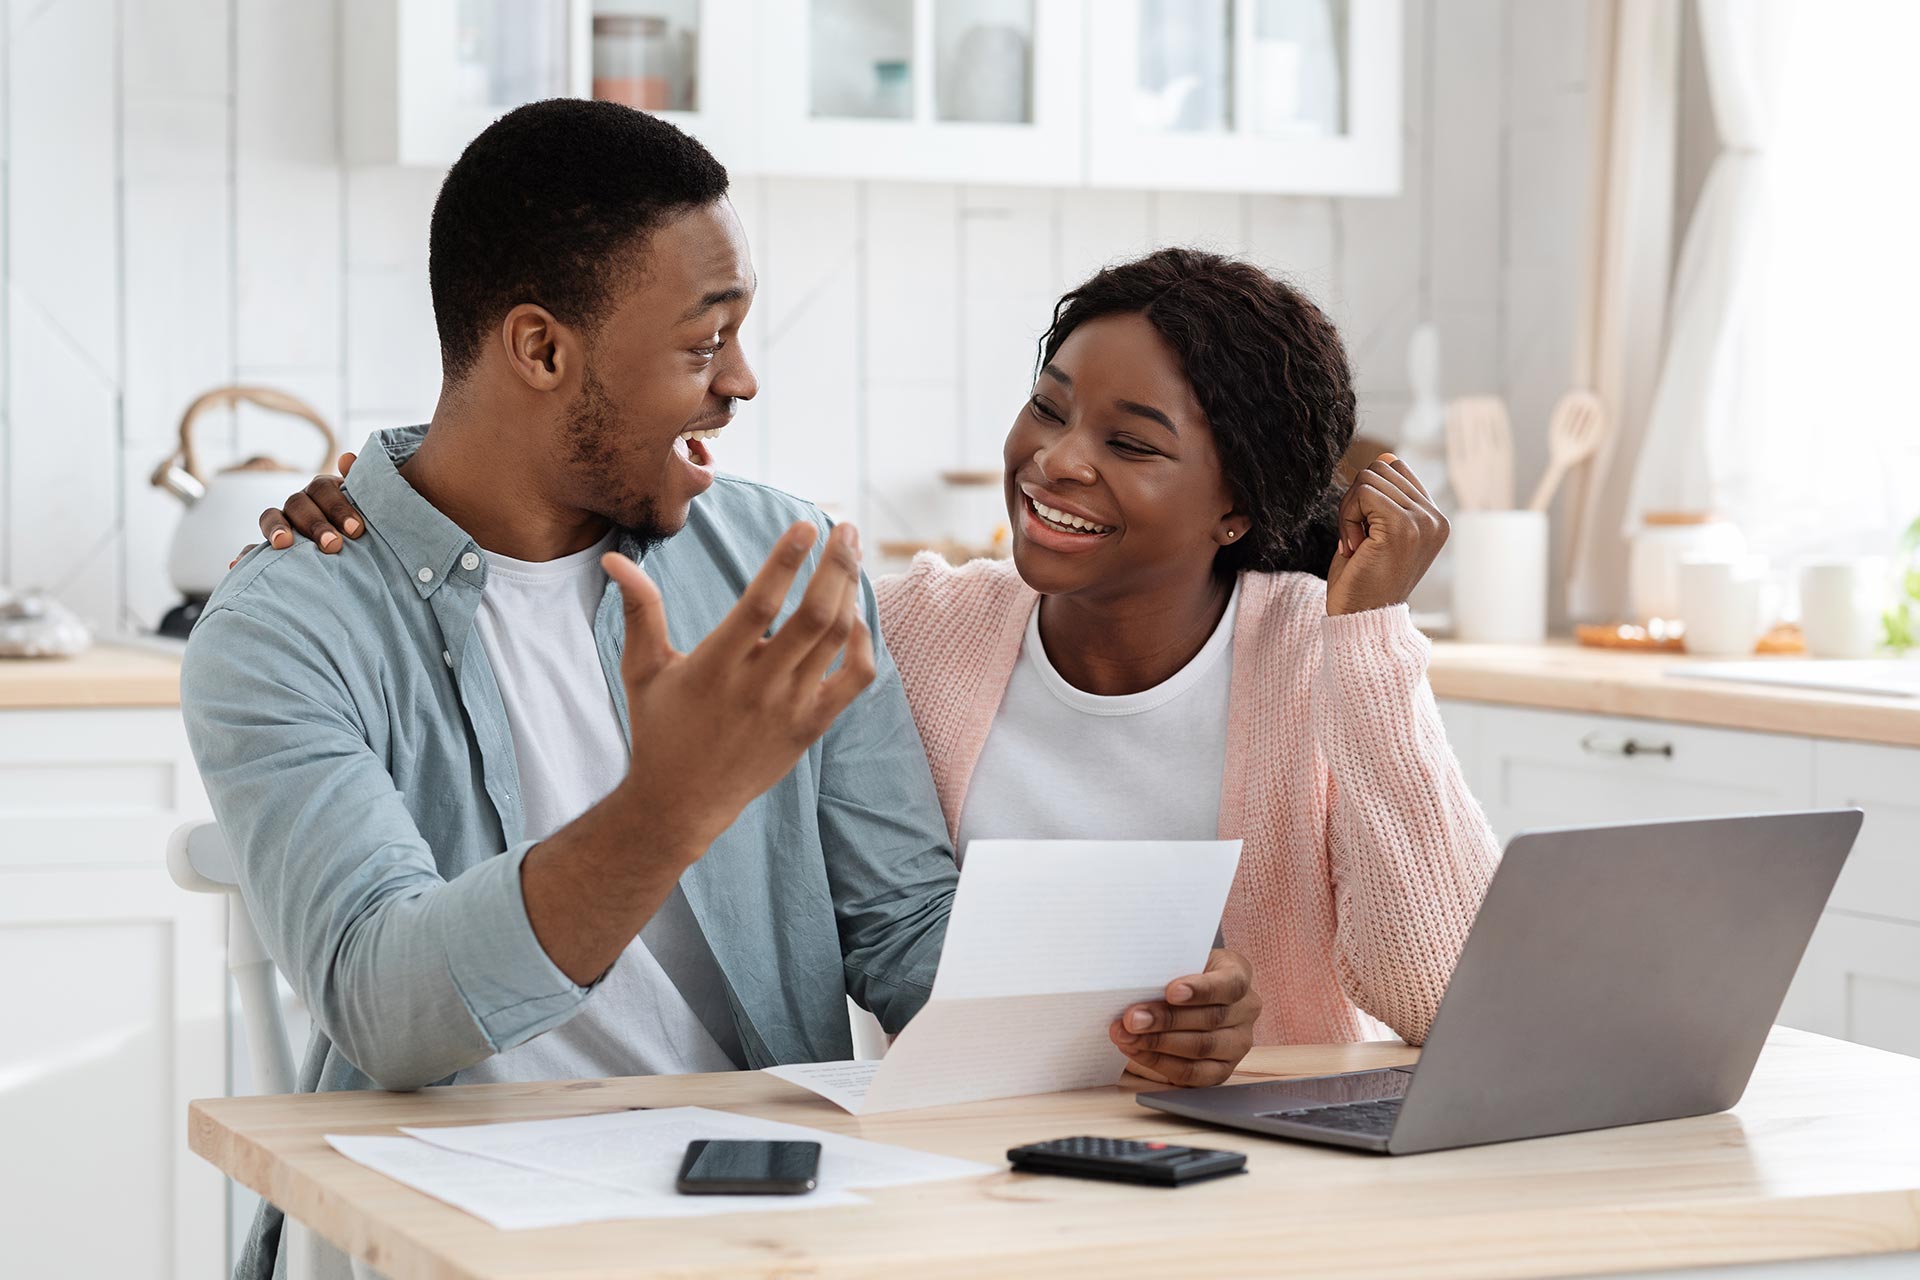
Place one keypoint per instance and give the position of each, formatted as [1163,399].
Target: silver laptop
[1614,975]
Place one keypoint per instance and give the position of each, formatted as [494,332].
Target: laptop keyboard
[1374,1119]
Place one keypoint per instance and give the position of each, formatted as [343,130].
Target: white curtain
[1787,400]
[1705,396]
[1634,53]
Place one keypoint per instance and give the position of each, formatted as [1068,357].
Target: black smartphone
[724,1168]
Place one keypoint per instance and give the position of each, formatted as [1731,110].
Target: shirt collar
[432,547]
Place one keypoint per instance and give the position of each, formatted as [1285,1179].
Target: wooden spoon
[1576,432]
[1480,453]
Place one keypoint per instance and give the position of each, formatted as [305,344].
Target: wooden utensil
[1576,432]
[1480,453]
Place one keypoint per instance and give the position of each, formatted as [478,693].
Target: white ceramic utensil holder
[1500,576]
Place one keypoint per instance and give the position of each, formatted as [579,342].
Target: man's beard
[591,437]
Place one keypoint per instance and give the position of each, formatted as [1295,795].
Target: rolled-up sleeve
[1411,851]
[888,861]
[413,976]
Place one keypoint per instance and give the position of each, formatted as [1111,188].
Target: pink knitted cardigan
[1364,857]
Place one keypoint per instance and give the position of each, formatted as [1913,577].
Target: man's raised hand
[716,727]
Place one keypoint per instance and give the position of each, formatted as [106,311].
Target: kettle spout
[179,482]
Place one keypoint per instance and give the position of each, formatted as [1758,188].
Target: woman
[1160,659]
[1193,641]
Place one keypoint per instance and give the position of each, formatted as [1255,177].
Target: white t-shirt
[535,623]
[1063,764]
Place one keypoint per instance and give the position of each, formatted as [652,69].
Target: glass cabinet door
[421,78]
[1250,95]
[688,61]
[954,90]
[509,52]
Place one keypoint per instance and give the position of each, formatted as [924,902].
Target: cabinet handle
[1601,744]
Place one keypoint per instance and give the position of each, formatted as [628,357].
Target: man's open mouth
[695,441]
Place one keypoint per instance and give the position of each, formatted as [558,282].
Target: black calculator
[1158,1164]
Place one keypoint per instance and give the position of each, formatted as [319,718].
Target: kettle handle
[221,397]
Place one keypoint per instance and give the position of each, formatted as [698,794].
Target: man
[419,753]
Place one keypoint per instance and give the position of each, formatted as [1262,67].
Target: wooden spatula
[1576,432]
[1480,453]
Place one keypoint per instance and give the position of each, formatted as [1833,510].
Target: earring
[1232,533]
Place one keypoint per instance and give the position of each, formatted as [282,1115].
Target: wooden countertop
[1820,1158]
[1564,676]
[106,675]
[1558,676]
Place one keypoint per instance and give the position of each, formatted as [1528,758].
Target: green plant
[1902,620]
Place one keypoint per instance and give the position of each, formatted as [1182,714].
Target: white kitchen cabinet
[1554,768]
[114,1006]
[421,78]
[1861,976]
[1300,96]
[1882,877]
[985,91]
[1860,979]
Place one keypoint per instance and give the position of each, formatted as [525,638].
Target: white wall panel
[810,340]
[1200,220]
[1384,248]
[1099,228]
[289,191]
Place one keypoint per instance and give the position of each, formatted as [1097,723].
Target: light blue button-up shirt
[357,755]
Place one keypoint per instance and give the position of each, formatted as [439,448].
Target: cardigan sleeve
[1411,852]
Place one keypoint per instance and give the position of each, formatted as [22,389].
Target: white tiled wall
[175,216]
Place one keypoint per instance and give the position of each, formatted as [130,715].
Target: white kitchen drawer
[98,786]
[1882,877]
[1552,768]
[1860,981]
[112,1019]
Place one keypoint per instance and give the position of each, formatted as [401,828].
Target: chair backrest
[199,861]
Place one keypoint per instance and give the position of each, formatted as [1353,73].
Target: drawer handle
[1601,744]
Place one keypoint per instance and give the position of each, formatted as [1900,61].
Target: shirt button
[446,656]
[425,574]
[469,562]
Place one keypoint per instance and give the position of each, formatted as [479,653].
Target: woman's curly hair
[1269,370]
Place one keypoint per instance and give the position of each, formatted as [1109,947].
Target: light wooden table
[1822,1157]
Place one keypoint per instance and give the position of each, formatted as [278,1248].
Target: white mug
[1499,576]
[1723,603]
[1840,604]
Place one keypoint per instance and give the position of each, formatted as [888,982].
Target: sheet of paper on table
[637,1153]
[1048,941]
[514,1198]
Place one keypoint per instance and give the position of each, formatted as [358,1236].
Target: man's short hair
[552,204]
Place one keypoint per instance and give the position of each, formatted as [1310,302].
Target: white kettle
[223,513]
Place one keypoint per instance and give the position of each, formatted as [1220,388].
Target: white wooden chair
[198,861]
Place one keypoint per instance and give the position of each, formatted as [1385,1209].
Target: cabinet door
[1299,96]
[934,90]
[687,61]
[1882,875]
[420,78]
[1860,981]
[113,1012]
[1551,768]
